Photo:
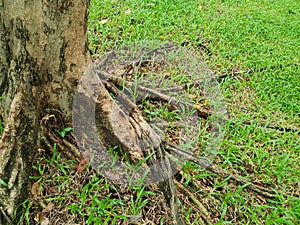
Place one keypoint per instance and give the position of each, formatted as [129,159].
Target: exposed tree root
[289,128]
[177,152]
[205,111]
[67,148]
[200,206]
[50,123]
[145,92]
[221,77]
[168,188]
[139,140]
[202,111]
[204,163]
[19,138]
[113,83]
[162,150]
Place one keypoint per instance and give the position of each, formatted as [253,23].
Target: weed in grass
[24,213]
[1,127]
[86,196]
[140,200]
[3,183]
[64,131]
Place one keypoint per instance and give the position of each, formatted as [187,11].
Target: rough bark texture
[43,53]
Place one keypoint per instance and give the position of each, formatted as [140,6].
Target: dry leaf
[49,207]
[87,154]
[35,189]
[128,11]
[82,164]
[84,161]
[53,190]
[104,21]
[191,96]
[45,221]
[39,217]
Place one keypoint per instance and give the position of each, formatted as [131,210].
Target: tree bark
[43,53]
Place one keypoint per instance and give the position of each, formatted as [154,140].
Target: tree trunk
[43,53]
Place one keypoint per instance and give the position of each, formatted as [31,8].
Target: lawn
[253,48]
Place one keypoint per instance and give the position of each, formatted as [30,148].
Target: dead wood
[150,143]
[200,206]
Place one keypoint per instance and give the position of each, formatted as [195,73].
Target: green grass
[78,197]
[260,40]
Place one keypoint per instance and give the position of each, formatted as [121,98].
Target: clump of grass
[84,198]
